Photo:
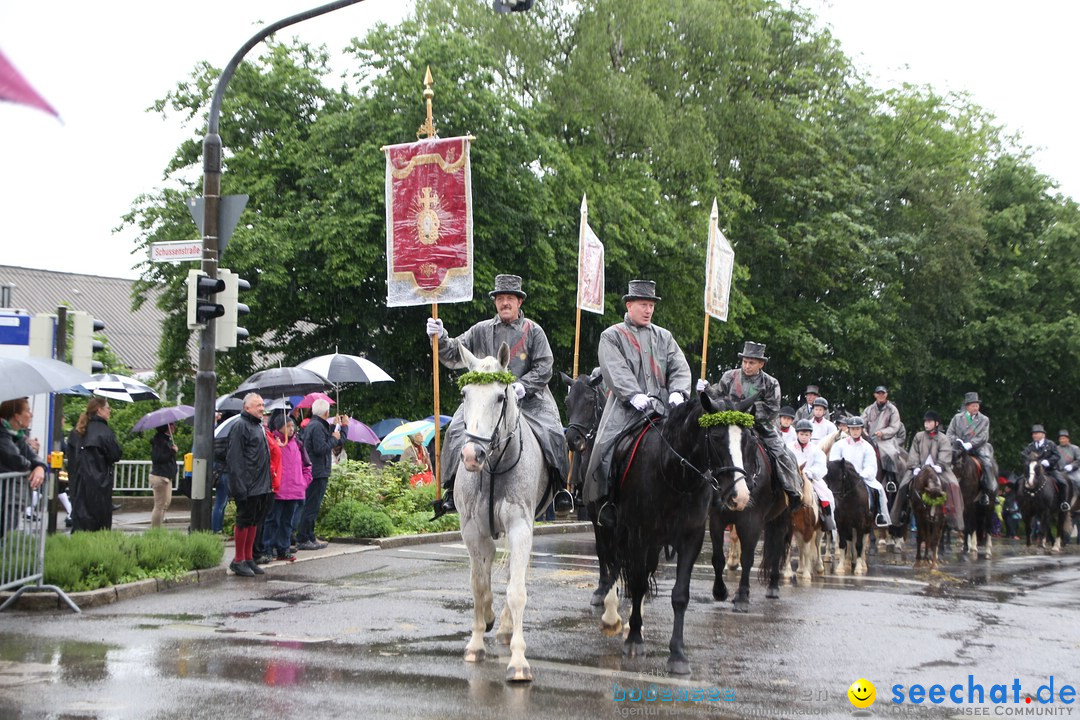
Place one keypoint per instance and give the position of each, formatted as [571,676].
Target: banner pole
[438,420]
[705,347]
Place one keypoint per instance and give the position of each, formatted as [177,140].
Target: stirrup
[607,516]
[1065,507]
[563,502]
[881,521]
[890,487]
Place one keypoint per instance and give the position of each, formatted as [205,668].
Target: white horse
[500,481]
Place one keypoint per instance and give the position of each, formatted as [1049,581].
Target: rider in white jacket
[811,460]
[861,455]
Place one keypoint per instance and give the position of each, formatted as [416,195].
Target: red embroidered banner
[428,222]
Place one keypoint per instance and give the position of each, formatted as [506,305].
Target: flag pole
[714,219]
[705,346]
[428,131]
[577,300]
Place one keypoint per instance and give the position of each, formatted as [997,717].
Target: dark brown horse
[927,495]
[854,520]
[1038,499]
[978,518]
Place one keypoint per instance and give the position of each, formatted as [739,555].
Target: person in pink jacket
[295,477]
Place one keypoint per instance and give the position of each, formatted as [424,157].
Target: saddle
[625,450]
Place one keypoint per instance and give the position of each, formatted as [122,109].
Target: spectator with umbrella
[162,471]
[320,439]
[295,478]
[248,462]
[93,450]
[16,455]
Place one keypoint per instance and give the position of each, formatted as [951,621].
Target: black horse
[1038,498]
[746,464]
[854,521]
[978,519]
[584,407]
[664,495]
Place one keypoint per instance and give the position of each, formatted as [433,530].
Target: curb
[49,600]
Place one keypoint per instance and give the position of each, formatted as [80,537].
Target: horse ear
[468,357]
[596,381]
[566,378]
[504,356]
[708,404]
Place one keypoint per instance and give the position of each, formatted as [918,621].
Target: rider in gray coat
[750,381]
[969,431]
[646,372]
[531,363]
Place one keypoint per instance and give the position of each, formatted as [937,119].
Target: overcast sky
[65,186]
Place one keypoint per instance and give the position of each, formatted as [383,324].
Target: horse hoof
[772,593]
[741,606]
[611,630]
[503,638]
[598,596]
[475,656]
[519,675]
[719,592]
[490,624]
[633,649]
[678,667]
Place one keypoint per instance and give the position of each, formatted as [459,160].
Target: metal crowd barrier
[23,521]
[133,476]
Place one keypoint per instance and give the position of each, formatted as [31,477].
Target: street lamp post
[206,379]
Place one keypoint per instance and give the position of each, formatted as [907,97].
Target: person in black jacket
[248,465]
[16,455]
[320,438]
[162,471]
[96,451]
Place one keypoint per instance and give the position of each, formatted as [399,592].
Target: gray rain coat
[633,360]
[531,363]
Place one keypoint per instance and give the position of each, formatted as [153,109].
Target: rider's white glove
[937,469]
[916,471]
[435,328]
[1044,463]
[1069,467]
[640,401]
[519,390]
[966,444]
[702,384]
[674,399]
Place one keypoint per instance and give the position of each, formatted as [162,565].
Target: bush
[91,560]
[364,501]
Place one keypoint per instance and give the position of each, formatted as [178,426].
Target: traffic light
[505,6]
[200,307]
[83,344]
[228,331]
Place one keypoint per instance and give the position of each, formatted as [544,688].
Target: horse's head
[584,406]
[489,406]
[724,445]
[1035,476]
[928,484]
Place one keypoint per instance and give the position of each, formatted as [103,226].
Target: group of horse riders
[645,373]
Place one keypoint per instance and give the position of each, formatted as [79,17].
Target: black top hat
[641,290]
[931,415]
[881,388]
[508,285]
[971,397]
[812,389]
[1063,433]
[753,350]
[1038,428]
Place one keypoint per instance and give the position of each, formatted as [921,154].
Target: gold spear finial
[428,128]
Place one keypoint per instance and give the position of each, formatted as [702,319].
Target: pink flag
[14,88]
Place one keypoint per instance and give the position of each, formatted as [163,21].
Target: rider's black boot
[444,506]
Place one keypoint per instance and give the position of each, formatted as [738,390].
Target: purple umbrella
[361,433]
[163,416]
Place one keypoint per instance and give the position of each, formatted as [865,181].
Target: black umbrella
[228,403]
[278,382]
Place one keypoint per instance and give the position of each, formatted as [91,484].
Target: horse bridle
[598,410]
[492,444]
[1038,489]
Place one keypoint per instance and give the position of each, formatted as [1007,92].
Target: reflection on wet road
[382,632]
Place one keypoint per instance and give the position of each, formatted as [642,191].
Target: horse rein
[1030,491]
[589,433]
[493,443]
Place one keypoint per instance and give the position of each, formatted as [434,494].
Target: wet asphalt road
[380,633]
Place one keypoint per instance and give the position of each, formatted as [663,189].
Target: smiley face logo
[862,693]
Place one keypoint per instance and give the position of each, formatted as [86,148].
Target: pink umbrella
[15,88]
[361,433]
[310,399]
